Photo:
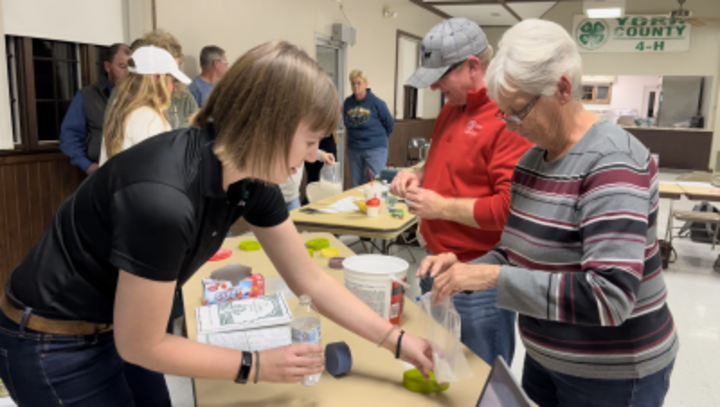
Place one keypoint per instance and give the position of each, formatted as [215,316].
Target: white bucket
[379,282]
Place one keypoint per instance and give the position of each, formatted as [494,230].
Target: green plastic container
[318,244]
[414,381]
[250,245]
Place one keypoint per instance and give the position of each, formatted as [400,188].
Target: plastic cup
[373,211]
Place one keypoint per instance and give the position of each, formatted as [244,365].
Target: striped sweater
[580,259]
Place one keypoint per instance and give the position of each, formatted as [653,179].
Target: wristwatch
[245,366]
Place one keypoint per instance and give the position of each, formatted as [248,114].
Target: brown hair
[134,91]
[258,104]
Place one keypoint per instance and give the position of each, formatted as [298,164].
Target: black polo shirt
[157,210]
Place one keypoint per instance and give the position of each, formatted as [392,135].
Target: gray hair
[532,56]
[209,54]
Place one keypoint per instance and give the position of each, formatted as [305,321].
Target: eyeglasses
[517,119]
[452,68]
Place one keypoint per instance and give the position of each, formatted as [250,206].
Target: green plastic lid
[250,245]
[414,381]
[318,244]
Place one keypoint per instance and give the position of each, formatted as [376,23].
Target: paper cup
[373,192]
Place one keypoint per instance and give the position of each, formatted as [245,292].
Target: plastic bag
[442,328]
[330,177]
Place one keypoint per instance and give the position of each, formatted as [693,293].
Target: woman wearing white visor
[140,110]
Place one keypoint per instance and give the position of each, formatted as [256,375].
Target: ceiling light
[604,8]
[611,12]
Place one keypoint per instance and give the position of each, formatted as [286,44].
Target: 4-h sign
[631,34]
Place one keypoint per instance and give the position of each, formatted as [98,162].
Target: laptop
[501,389]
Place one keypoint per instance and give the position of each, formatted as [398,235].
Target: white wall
[238,25]
[628,93]
[99,22]
[703,59]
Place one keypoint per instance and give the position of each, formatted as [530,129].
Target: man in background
[213,63]
[81,129]
[462,193]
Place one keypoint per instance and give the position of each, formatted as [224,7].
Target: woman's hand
[464,277]
[289,364]
[412,350]
[436,265]
[328,159]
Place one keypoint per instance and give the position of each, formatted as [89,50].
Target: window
[44,76]
[598,94]
[56,66]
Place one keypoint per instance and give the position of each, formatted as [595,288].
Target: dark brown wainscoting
[679,149]
[32,187]
[397,150]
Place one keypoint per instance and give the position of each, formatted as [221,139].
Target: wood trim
[549,10]
[30,133]
[398,34]
[431,9]
[509,10]
[32,157]
[154,15]
[460,3]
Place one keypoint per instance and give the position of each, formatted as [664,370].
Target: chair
[414,148]
[314,192]
[700,217]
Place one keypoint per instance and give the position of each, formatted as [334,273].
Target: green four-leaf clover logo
[592,34]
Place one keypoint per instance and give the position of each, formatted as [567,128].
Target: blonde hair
[358,74]
[134,91]
[258,104]
[486,56]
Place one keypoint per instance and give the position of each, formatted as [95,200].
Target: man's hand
[92,168]
[404,180]
[328,159]
[464,277]
[424,203]
[436,265]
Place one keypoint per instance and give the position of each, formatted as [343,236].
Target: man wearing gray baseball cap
[462,193]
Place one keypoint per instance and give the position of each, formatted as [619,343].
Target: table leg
[668,232]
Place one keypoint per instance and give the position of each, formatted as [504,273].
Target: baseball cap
[151,60]
[448,43]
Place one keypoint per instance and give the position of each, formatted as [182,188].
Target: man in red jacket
[462,193]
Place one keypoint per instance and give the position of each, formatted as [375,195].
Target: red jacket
[472,155]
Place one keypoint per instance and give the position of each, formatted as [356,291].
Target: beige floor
[694,298]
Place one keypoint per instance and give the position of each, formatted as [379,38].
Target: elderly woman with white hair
[578,259]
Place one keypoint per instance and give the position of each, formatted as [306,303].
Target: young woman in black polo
[87,308]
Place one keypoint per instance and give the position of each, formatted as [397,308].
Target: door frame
[326,41]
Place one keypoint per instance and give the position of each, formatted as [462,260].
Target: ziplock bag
[442,329]
[330,175]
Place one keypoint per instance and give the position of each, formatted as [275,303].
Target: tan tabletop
[352,223]
[375,379]
[671,191]
[697,193]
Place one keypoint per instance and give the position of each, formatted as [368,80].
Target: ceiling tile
[484,15]
[531,10]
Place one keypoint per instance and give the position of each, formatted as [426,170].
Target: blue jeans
[486,329]
[42,369]
[361,161]
[549,389]
[294,204]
